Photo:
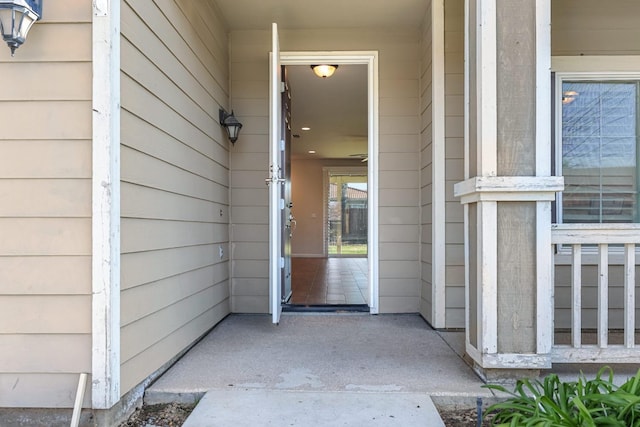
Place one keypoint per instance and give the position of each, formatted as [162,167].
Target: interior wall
[45,213]
[399,161]
[307,188]
[175,181]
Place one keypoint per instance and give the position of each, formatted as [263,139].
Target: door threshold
[325,308]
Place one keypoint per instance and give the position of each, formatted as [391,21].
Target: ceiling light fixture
[324,70]
[306,128]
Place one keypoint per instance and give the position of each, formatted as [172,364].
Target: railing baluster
[629,294]
[576,296]
[603,294]
[602,236]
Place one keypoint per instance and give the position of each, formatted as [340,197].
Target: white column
[105,361]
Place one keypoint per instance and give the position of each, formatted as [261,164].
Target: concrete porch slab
[312,366]
[320,352]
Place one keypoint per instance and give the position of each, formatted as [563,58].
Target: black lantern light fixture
[16,19]
[231,124]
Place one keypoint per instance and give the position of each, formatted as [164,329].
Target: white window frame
[576,68]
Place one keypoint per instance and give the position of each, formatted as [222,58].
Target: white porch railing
[600,236]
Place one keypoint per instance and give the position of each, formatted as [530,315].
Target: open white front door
[276,201]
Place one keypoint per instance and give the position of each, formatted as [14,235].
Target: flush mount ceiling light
[16,18]
[324,70]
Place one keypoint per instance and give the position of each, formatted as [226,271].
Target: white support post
[438,237]
[105,360]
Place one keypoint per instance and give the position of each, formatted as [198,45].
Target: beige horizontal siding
[45,215]
[454,164]
[562,297]
[32,159]
[593,27]
[175,181]
[41,390]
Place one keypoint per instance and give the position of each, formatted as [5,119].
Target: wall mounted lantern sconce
[16,19]
[231,124]
[324,70]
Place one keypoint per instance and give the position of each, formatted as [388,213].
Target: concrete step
[239,407]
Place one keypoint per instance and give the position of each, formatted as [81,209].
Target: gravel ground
[163,415]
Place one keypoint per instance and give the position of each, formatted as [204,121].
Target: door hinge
[282,87]
[281,262]
[281,204]
[282,145]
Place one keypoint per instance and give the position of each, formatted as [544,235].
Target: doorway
[346,211]
[334,255]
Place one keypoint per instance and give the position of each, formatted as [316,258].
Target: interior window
[599,155]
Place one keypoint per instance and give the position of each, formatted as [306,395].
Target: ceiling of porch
[334,108]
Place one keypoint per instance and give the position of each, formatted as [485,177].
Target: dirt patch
[162,415]
[463,418]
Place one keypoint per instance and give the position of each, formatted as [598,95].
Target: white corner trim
[487,274]
[543,87]
[105,260]
[438,279]
[487,87]
[466,96]
[544,279]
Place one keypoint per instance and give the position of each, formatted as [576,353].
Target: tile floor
[326,281]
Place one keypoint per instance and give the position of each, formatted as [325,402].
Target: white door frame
[370,59]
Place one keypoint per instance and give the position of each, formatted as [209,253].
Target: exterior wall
[307,190]
[45,214]
[454,163]
[399,163]
[592,28]
[426,167]
[174,181]
[453,277]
